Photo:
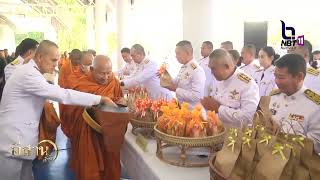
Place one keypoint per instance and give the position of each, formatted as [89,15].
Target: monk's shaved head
[86,58]
[102,69]
[101,60]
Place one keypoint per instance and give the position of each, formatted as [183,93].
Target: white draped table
[142,165]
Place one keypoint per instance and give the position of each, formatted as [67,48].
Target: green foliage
[74,36]
[38,36]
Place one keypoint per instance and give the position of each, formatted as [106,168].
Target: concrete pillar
[90,27]
[100,26]
[7,39]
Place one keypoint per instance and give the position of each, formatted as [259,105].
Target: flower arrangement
[185,123]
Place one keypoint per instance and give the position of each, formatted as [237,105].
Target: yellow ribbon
[246,140]
[259,127]
[278,148]
[232,143]
[265,138]
[298,140]
[248,132]
[233,132]
[291,147]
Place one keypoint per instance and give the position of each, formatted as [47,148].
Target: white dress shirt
[251,68]
[145,75]
[191,83]
[265,80]
[8,70]
[298,113]
[210,79]
[22,103]
[239,98]
[312,79]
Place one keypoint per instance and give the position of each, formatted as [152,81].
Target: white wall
[7,40]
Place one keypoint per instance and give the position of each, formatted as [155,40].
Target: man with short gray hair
[145,75]
[190,82]
[236,95]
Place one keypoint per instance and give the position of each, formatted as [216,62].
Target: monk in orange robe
[63,60]
[69,67]
[70,83]
[89,158]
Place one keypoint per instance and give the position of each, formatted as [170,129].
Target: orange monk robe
[89,159]
[62,61]
[66,110]
[65,71]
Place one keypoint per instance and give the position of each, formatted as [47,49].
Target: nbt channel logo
[290,40]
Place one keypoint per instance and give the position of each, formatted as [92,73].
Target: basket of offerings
[184,138]
[145,112]
[265,151]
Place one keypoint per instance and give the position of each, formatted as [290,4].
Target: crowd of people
[223,80]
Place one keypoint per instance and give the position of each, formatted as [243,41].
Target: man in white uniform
[236,96]
[25,52]
[129,67]
[145,75]
[251,65]
[190,82]
[312,79]
[293,106]
[206,50]
[21,107]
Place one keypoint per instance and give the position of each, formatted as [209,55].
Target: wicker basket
[214,173]
[212,143]
[142,125]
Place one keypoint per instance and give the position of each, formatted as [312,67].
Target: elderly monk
[89,157]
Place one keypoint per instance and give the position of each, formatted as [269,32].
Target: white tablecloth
[146,166]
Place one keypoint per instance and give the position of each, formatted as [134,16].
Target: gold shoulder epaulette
[15,62]
[256,66]
[146,61]
[313,96]
[244,77]
[194,66]
[313,71]
[274,92]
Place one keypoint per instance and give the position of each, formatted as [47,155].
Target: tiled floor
[58,169]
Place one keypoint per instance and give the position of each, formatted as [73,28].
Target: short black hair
[209,44]
[125,50]
[26,45]
[294,62]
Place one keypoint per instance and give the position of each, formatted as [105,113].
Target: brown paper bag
[310,160]
[49,123]
[275,166]
[245,164]
[227,158]
[166,79]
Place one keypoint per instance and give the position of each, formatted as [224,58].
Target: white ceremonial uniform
[20,109]
[312,79]
[145,75]
[210,79]
[127,69]
[191,83]
[239,98]
[265,80]
[8,70]
[251,68]
[299,113]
